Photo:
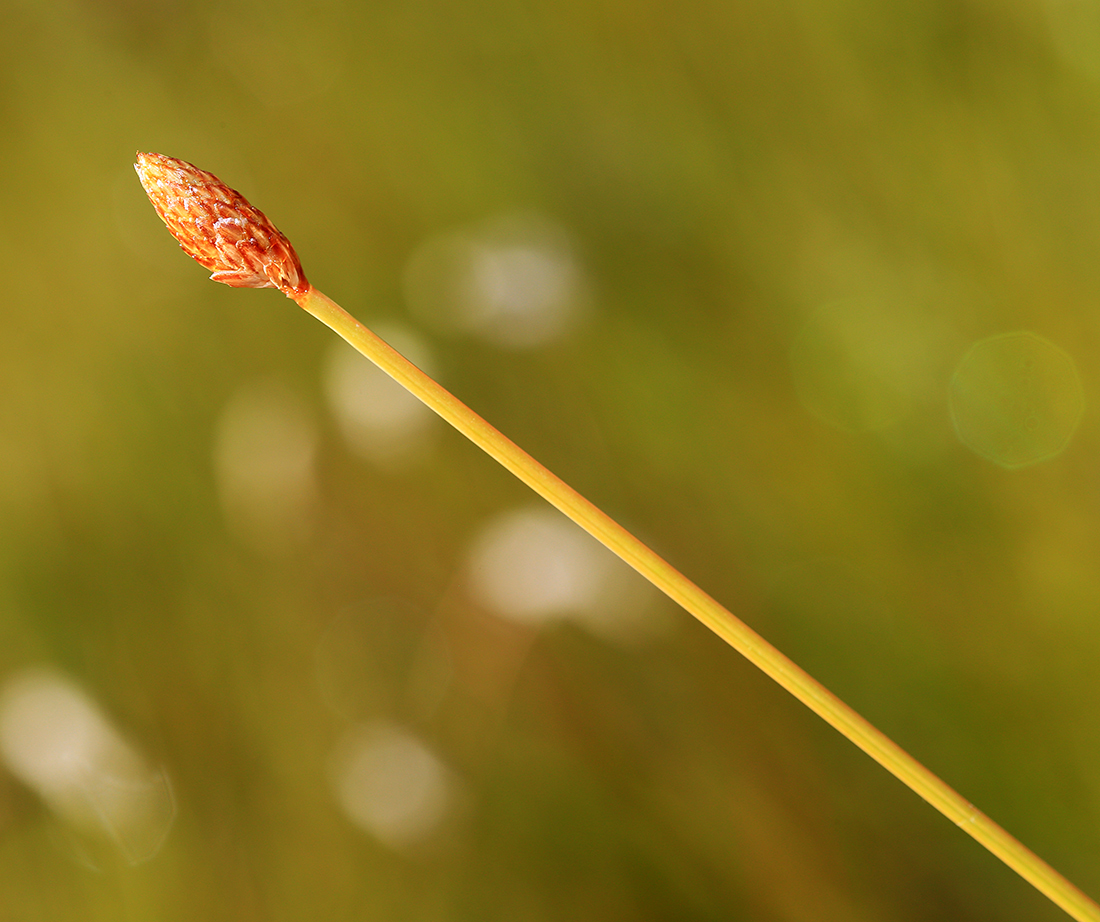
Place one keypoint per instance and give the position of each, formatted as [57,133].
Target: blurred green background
[272,650]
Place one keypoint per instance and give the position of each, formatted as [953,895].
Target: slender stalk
[685,593]
[220,230]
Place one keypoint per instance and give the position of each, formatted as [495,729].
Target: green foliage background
[726,168]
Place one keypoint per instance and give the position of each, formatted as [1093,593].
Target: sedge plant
[224,233]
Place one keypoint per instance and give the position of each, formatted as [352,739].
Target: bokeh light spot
[1016,399]
[380,420]
[389,783]
[263,458]
[514,281]
[58,742]
[534,566]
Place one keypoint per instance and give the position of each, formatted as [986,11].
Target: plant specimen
[217,227]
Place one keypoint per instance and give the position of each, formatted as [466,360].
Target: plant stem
[682,591]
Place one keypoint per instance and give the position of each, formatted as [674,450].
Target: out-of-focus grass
[788,225]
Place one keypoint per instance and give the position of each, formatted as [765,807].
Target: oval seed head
[218,228]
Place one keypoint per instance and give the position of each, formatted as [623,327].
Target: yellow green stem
[682,591]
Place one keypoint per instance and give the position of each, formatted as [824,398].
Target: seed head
[218,228]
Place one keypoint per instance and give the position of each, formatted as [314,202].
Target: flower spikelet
[218,228]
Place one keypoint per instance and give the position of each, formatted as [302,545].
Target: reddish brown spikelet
[218,228]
